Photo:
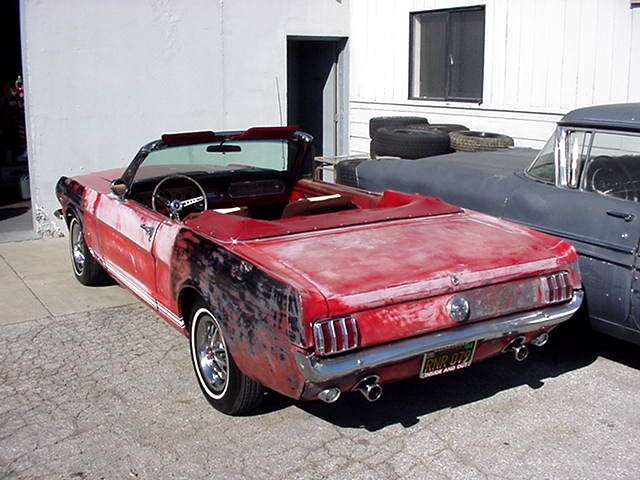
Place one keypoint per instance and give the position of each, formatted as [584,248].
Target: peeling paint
[45,226]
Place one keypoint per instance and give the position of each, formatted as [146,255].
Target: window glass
[544,167]
[613,168]
[447,54]
[229,156]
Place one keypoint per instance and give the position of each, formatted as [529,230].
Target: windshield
[244,155]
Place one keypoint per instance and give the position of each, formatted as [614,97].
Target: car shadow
[571,347]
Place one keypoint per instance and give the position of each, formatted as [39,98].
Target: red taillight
[556,288]
[336,336]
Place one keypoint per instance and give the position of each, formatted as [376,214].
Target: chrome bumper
[326,369]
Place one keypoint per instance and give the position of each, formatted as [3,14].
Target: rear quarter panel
[259,314]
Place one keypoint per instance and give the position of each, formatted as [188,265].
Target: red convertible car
[308,288]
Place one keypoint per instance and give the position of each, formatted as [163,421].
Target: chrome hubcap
[212,354]
[77,248]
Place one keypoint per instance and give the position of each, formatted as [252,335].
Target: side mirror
[119,187]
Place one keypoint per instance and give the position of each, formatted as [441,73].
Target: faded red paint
[392,263]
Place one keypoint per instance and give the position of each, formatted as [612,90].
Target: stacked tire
[415,137]
[479,141]
[409,137]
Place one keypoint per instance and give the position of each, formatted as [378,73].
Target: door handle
[148,229]
[626,216]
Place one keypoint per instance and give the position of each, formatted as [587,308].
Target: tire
[410,143]
[86,270]
[377,123]
[346,172]
[479,141]
[440,127]
[226,388]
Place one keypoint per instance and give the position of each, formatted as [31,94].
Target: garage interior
[15,206]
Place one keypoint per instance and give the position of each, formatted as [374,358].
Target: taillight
[336,336]
[556,288]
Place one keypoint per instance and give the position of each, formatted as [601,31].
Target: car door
[602,224]
[127,231]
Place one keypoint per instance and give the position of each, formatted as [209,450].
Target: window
[447,54]
[561,159]
[544,166]
[614,166]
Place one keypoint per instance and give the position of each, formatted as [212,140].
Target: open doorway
[316,93]
[15,206]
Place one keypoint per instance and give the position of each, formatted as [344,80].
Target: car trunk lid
[364,267]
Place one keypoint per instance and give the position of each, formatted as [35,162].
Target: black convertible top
[621,116]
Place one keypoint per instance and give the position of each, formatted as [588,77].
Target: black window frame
[448,97]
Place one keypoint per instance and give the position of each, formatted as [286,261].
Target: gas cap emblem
[458,309]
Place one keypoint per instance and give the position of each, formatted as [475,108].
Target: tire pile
[415,137]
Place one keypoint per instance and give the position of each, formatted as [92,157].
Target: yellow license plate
[448,360]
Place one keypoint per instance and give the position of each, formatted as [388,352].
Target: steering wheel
[611,177]
[178,207]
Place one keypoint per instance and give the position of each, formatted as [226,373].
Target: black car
[583,186]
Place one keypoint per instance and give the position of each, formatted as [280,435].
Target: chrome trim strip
[138,290]
[317,329]
[345,334]
[324,370]
[170,315]
[332,336]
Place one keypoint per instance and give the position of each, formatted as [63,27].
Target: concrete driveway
[105,390]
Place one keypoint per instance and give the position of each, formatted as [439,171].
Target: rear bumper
[322,370]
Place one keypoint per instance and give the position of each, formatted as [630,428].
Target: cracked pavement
[110,394]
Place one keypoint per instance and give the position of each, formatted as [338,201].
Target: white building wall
[542,59]
[103,77]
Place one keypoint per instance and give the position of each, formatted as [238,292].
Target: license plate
[448,360]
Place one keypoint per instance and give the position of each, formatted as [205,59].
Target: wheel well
[188,297]
[69,214]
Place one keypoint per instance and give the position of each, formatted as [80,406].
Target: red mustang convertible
[308,288]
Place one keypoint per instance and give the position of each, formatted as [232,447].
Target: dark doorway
[313,89]
[15,205]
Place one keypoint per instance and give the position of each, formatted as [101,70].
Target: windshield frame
[223,158]
[298,164]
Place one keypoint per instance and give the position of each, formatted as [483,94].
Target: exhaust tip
[370,388]
[540,340]
[518,348]
[329,395]
[521,352]
[373,392]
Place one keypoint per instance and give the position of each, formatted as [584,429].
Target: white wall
[104,77]
[542,59]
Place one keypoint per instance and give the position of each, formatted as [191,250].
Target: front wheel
[223,384]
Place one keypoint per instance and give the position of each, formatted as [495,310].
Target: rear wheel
[226,388]
[85,268]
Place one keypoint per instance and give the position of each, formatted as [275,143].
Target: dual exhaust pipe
[372,390]
[368,387]
[520,350]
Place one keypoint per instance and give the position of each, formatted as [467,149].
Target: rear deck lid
[372,265]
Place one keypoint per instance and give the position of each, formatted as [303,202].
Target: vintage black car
[583,186]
